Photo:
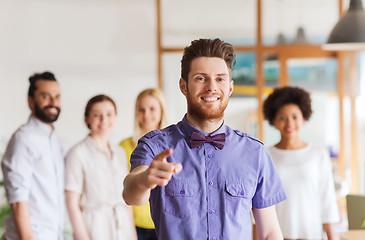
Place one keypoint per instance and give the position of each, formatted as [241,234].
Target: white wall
[91,46]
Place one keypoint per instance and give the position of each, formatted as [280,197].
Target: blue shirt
[211,198]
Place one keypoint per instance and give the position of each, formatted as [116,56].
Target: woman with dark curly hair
[305,169]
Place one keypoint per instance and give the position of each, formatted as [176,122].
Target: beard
[42,114]
[200,112]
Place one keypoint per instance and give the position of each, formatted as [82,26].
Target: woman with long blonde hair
[150,114]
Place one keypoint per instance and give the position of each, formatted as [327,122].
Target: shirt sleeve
[17,167]
[74,174]
[329,207]
[270,190]
[144,153]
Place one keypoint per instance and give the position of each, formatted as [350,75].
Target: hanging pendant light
[349,32]
[300,38]
[280,39]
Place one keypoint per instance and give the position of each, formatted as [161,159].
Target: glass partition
[183,21]
[318,74]
[297,21]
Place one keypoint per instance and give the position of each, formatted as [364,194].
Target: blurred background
[120,47]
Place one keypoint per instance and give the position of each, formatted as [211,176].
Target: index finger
[163,155]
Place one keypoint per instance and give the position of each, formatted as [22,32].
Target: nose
[289,121]
[211,86]
[54,101]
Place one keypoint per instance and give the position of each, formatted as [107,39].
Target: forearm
[135,191]
[74,212]
[272,236]
[329,231]
[78,225]
[134,234]
[21,216]
[267,224]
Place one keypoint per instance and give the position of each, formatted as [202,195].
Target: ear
[183,86]
[31,103]
[231,87]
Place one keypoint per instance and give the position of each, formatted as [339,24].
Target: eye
[221,79]
[200,78]
[45,95]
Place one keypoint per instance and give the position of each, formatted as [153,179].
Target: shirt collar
[189,129]
[44,127]
[91,142]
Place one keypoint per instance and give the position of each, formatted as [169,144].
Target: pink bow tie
[218,140]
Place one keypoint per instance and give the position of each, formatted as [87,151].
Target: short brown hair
[287,95]
[207,48]
[96,99]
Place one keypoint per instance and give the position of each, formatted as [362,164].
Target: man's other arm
[22,220]
[267,223]
[139,183]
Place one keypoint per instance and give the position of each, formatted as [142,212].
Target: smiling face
[208,88]
[289,120]
[149,113]
[46,101]
[101,118]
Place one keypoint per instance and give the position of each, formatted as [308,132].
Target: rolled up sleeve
[17,167]
[74,175]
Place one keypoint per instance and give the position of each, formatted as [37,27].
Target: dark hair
[39,76]
[287,95]
[207,48]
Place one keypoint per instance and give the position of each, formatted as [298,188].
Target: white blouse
[307,177]
[99,179]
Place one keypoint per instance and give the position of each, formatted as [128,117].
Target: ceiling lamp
[300,37]
[349,32]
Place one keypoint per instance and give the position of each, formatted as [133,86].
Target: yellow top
[142,215]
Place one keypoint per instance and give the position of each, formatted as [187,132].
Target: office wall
[92,47]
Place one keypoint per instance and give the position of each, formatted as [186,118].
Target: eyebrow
[205,74]
[48,93]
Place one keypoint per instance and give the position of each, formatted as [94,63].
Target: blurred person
[150,114]
[305,169]
[202,177]
[94,172]
[33,167]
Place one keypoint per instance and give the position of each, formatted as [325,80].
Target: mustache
[51,106]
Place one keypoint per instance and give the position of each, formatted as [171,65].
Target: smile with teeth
[52,110]
[210,98]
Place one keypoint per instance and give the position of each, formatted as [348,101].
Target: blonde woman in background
[150,114]
[95,170]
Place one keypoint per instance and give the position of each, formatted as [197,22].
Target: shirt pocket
[181,197]
[239,197]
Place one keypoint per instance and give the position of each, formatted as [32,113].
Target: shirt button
[211,183]
[182,191]
[209,155]
[212,211]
